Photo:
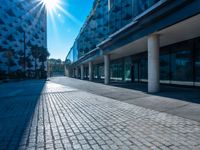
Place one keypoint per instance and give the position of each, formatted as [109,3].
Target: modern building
[23,38]
[153,41]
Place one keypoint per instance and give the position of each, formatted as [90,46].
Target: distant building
[23,39]
[154,41]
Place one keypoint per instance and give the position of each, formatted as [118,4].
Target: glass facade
[179,64]
[141,5]
[106,17]
[72,55]
[122,12]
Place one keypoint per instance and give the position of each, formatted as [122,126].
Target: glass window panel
[140,6]
[136,69]
[197,62]
[143,69]
[96,72]
[116,70]
[164,68]
[127,13]
[182,66]
[86,72]
[127,69]
[101,72]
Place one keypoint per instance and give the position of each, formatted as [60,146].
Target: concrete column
[82,72]
[153,64]
[106,69]
[90,71]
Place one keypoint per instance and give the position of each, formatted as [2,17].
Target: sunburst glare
[51,4]
[55,8]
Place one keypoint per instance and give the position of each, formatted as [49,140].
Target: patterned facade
[23,38]
[106,17]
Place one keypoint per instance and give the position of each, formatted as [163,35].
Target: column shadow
[184,93]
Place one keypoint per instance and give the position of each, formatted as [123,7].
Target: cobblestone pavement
[180,101]
[67,118]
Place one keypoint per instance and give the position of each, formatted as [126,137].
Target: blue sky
[62,29]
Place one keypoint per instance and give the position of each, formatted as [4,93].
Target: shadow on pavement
[189,94]
[17,105]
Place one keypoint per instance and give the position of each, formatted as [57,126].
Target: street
[38,114]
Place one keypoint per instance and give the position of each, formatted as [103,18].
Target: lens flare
[51,4]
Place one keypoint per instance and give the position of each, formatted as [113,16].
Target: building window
[165,66]
[127,69]
[140,6]
[143,69]
[116,69]
[101,71]
[86,72]
[182,64]
[96,72]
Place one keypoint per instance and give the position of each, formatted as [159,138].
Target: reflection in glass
[135,71]
[143,69]
[86,72]
[164,68]
[127,69]
[96,71]
[197,62]
[116,70]
[181,67]
[107,17]
[101,71]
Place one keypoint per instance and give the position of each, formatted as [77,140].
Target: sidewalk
[183,102]
[47,115]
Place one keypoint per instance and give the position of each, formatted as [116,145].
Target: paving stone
[66,118]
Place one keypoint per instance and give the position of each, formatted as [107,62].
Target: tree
[10,62]
[21,58]
[55,66]
[41,54]
[35,54]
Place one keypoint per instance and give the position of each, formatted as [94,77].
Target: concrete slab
[64,117]
[158,103]
[191,111]
[173,100]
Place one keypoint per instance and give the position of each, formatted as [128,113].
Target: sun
[51,4]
